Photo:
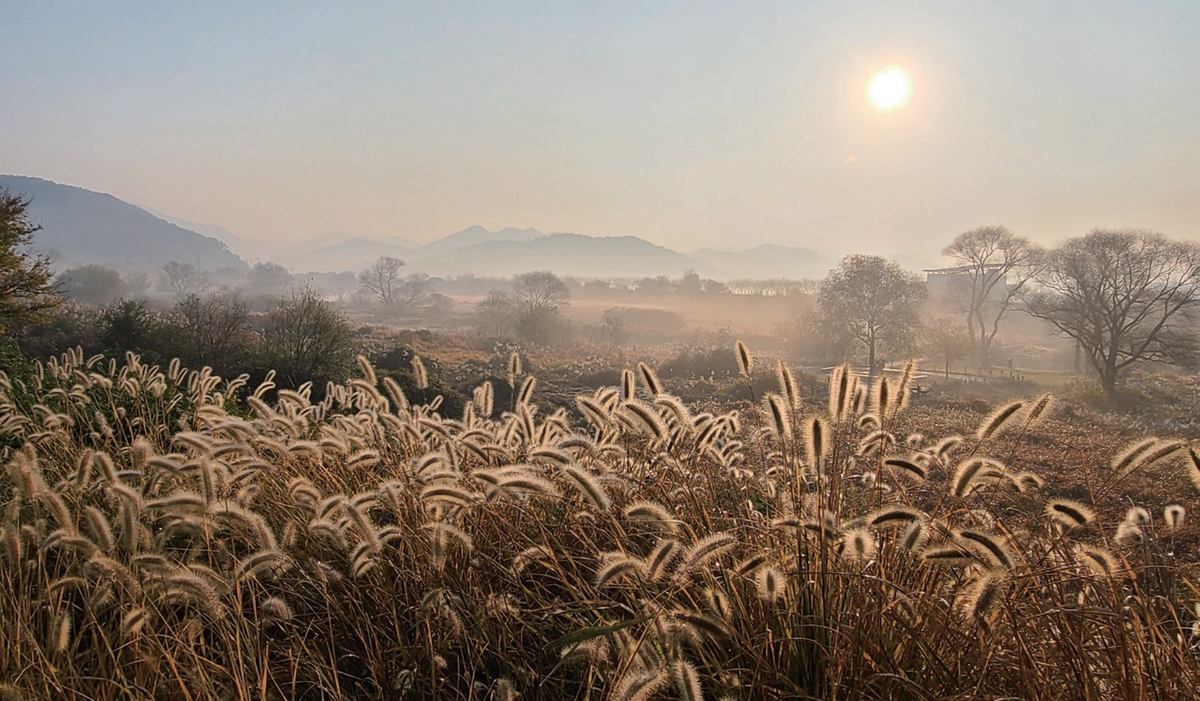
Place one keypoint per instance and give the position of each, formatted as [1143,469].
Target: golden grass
[171,534]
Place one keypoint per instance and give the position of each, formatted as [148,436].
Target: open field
[172,534]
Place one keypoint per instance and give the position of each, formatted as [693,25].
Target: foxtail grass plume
[706,549]
[908,468]
[858,545]
[522,560]
[1127,459]
[745,361]
[617,569]
[525,396]
[652,513]
[817,443]
[1042,407]
[947,555]
[1129,535]
[981,597]
[894,516]
[1070,513]
[514,368]
[132,623]
[999,420]
[751,564]
[781,416]
[882,395]
[368,371]
[974,473]
[639,683]
[650,379]
[994,548]
[587,486]
[656,563]
[1027,481]
[771,584]
[274,609]
[914,537]
[687,680]
[841,391]
[1099,561]
[1138,516]
[1193,466]
[717,602]
[787,384]
[420,374]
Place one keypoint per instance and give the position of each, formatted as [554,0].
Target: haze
[688,124]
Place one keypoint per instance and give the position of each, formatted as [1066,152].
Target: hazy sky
[687,123]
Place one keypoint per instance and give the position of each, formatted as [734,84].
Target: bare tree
[382,280]
[213,329]
[1124,296]
[268,278]
[947,340]
[497,312]
[539,296]
[183,278]
[308,338]
[414,290]
[871,301]
[136,284]
[994,267]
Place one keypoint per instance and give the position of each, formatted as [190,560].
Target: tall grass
[171,534]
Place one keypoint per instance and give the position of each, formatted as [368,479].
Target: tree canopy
[995,266]
[873,303]
[538,298]
[382,280]
[1124,296]
[26,292]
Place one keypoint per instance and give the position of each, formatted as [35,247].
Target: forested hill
[81,226]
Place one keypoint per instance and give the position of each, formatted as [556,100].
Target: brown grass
[163,539]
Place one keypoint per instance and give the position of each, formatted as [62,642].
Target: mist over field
[778,350]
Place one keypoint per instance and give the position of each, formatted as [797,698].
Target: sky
[690,124]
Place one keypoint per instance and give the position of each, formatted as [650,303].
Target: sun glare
[889,88]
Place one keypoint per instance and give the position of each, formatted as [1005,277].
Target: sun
[888,89]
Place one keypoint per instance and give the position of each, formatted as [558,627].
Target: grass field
[171,534]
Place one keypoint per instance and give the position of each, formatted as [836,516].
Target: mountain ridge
[100,234]
[82,226]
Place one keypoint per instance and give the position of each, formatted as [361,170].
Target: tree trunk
[985,353]
[1108,379]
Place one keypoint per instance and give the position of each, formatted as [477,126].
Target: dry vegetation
[170,534]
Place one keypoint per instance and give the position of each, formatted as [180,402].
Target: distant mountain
[767,261]
[81,226]
[336,238]
[477,235]
[244,248]
[352,254]
[564,254]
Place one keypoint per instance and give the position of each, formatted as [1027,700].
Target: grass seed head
[1129,535]
[745,361]
[771,584]
[998,421]
[1138,516]
[1069,513]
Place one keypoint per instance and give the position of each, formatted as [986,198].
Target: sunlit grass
[171,534]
